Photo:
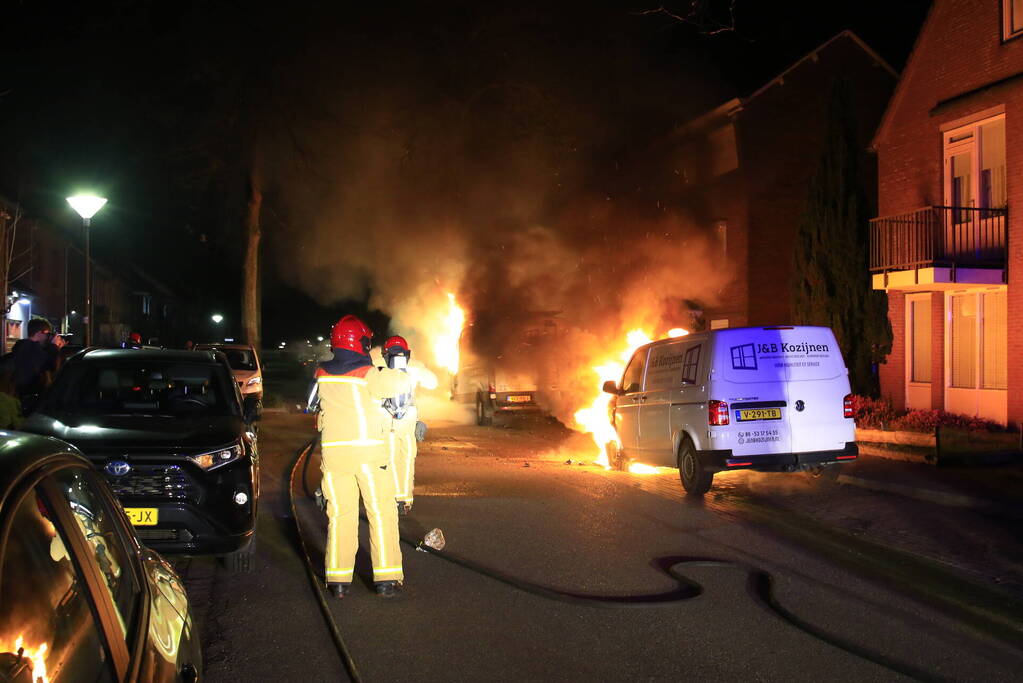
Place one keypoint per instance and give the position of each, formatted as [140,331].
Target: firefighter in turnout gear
[349,390]
[405,427]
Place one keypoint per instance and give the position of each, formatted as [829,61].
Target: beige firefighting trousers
[402,444]
[376,484]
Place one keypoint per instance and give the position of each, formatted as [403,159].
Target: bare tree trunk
[251,322]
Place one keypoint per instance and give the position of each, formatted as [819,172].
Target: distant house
[946,247]
[742,170]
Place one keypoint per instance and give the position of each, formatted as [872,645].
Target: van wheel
[616,457]
[695,480]
[482,418]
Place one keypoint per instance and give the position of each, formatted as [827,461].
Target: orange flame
[445,343]
[36,655]
[594,418]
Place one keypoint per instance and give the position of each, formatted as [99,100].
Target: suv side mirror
[611,388]
[252,409]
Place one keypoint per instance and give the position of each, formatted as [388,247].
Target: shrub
[873,413]
[929,420]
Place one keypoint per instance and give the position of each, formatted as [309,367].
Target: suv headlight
[254,380]
[221,456]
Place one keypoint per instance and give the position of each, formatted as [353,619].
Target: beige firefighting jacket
[352,425]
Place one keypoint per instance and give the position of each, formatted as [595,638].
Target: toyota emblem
[117,468]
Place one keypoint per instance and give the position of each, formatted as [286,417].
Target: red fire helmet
[135,338]
[352,334]
[395,343]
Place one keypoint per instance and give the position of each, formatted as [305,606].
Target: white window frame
[1007,20]
[974,145]
[978,369]
[910,338]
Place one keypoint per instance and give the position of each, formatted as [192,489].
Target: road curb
[946,498]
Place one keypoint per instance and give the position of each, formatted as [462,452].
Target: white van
[761,398]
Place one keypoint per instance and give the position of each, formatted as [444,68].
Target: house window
[920,339]
[975,166]
[147,303]
[978,340]
[1012,18]
[994,338]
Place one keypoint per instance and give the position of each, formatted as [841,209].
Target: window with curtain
[920,322]
[994,335]
[963,334]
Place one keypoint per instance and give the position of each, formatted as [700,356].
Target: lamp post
[87,205]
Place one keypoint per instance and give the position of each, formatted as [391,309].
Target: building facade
[946,246]
[45,278]
[742,170]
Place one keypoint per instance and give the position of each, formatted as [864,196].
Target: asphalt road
[866,585]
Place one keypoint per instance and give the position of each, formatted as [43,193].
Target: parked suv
[171,434]
[760,398]
[244,362]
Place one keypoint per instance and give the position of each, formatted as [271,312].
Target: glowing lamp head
[86,204]
[217,318]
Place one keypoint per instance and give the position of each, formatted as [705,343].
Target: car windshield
[238,359]
[114,387]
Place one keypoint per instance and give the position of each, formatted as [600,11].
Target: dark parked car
[171,434]
[80,598]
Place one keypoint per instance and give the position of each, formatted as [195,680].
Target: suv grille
[169,482]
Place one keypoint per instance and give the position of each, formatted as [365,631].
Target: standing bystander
[35,359]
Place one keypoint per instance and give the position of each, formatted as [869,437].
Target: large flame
[445,342]
[37,655]
[594,418]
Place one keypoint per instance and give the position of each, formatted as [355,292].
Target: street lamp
[217,318]
[87,205]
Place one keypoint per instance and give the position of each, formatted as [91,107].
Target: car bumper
[723,460]
[185,529]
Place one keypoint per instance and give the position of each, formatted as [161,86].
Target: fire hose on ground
[759,585]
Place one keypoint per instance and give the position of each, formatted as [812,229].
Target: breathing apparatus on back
[396,355]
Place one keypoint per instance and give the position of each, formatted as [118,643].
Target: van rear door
[798,368]
[754,389]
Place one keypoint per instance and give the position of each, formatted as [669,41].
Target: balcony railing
[939,236]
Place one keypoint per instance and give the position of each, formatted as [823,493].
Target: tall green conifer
[831,278]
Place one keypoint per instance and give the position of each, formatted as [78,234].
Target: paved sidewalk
[994,489]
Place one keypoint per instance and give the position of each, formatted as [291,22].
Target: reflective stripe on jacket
[354,430]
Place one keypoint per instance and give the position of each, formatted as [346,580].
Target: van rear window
[765,355]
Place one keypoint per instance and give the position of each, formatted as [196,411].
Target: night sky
[375,126]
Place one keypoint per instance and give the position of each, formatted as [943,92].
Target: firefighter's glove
[420,430]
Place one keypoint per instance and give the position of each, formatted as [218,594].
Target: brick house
[742,169]
[951,142]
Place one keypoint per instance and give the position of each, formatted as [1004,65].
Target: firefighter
[405,426]
[349,390]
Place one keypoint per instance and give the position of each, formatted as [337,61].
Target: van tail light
[717,413]
[492,390]
[847,406]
